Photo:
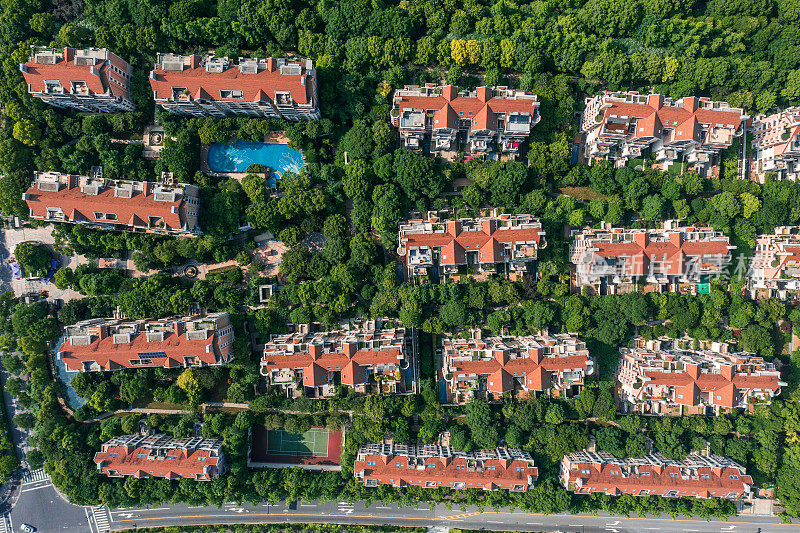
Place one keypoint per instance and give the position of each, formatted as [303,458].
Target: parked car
[27,528]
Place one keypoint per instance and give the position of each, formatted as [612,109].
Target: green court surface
[312,443]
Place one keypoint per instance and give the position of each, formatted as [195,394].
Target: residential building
[204,86]
[682,376]
[125,205]
[699,475]
[672,257]
[621,125]
[776,140]
[93,79]
[147,455]
[775,265]
[433,466]
[474,120]
[493,366]
[435,249]
[102,344]
[357,355]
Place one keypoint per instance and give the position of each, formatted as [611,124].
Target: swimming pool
[237,156]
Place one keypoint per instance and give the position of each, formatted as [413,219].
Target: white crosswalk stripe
[102,519]
[32,476]
[5,524]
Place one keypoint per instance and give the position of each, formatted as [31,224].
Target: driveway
[10,239]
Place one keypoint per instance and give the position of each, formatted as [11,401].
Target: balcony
[518,124]
[412,119]
[420,256]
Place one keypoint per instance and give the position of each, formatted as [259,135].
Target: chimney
[449,92]
[656,101]
[271,64]
[535,354]
[484,94]
[315,350]
[453,227]
[194,61]
[103,331]
[641,238]
[69,54]
[350,348]
[488,226]
[727,372]
[690,103]
[693,370]
[148,188]
[178,328]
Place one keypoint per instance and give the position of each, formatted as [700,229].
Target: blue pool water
[237,156]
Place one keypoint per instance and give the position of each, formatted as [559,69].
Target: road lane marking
[783,527]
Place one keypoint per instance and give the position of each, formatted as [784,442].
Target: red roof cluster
[699,475]
[434,466]
[534,363]
[449,106]
[355,354]
[659,371]
[97,345]
[161,456]
[500,239]
[83,200]
[670,251]
[653,114]
[101,71]
[262,84]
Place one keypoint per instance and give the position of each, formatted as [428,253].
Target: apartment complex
[146,455]
[699,475]
[776,140]
[622,125]
[114,204]
[673,257]
[214,86]
[775,265]
[436,249]
[472,120]
[358,355]
[681,376]
[433,466]
[93,80]
[102,344]
[493,366]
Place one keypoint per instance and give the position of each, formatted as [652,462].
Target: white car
[27,529]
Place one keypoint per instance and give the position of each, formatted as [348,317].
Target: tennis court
[312,443]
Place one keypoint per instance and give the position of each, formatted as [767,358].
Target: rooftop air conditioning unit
[49,186]
[122,338]
[123,192]
[80,340]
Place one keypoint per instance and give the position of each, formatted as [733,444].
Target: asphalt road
[346,513]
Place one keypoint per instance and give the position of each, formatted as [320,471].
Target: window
[734,477]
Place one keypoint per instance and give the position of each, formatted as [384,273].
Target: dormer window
[231,93]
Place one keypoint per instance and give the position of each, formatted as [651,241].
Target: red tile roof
[88,343]
[485,236]
[316,369]
[98,76]
[260,86]
[698,476]
[433,466]
[539,362]
[699,377]
[676,255]
[81,208]
[480,109]
[161,456]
